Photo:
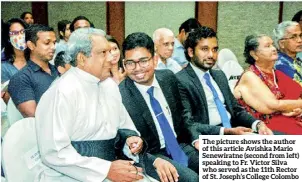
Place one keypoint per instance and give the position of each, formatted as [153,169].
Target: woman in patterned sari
[266,93]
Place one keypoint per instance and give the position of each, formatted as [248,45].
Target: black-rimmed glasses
[131,64]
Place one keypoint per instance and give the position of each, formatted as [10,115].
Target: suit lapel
[167,91]
[139,103]
[197,84]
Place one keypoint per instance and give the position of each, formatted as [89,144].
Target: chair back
[20,155]
[228,63]
[13,113]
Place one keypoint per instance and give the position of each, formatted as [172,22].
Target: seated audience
[288,40]
[164,44]
[210,107]
[117,72]
[153,102]
[27,17]
[80,22]
[179,51]
[13,51]
[78,129]
[60,63]
[27,86]
[268,94]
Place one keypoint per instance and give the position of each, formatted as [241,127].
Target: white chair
[228,63]
[20,155]
[13,113]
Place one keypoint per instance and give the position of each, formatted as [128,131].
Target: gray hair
[158,33]
[280,30]
[80,41]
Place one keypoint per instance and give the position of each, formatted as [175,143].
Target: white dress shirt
[171,64]
[158,94]
[78,107]
[214,115]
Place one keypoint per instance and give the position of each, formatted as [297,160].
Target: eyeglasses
[294,37]
[131,64]
[16,32]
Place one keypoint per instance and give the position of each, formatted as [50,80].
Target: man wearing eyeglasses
[153,102]
[287,38]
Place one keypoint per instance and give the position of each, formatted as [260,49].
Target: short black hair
[194,37]
[22,16]
[189,25]
[9,50]
[138,39]
[62,27]
[79,18]
[59,59]
[297,16]
[31,34]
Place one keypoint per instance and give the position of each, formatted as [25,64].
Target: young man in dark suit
[210,107]
[153,102]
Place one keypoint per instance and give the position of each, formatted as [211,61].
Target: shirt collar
[199,72]
[144,88]
[33,65]
[281,54]
[86,76]
[177,43]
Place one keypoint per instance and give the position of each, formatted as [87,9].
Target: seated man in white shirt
[77,124]
[164,44]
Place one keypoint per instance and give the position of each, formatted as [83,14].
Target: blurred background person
[267,94]
[116,70]
[163,39]
[179,51]
[287,38]
[27,17]
[80,22]
[60,64]
[64,34]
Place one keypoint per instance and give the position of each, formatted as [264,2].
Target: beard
[202,64]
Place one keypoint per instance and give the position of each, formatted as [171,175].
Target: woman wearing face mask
[116,70]
[14,50]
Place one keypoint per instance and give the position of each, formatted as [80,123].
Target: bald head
[164,43]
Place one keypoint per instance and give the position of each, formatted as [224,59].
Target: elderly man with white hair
[77,124]
[287,38]
[163,39]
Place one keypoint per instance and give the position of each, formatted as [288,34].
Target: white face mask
[18,41]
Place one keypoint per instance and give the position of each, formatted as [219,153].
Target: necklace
[274,76]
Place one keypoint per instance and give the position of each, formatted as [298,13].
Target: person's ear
[81,59]
[155,59]
[30,45]
[253,54]
[281,44]
[61,33]
[190,52]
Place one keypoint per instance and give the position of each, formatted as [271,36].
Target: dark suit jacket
[196,107]
[141,115]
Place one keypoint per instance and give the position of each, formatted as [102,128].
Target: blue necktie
[172,146]
[221,109]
